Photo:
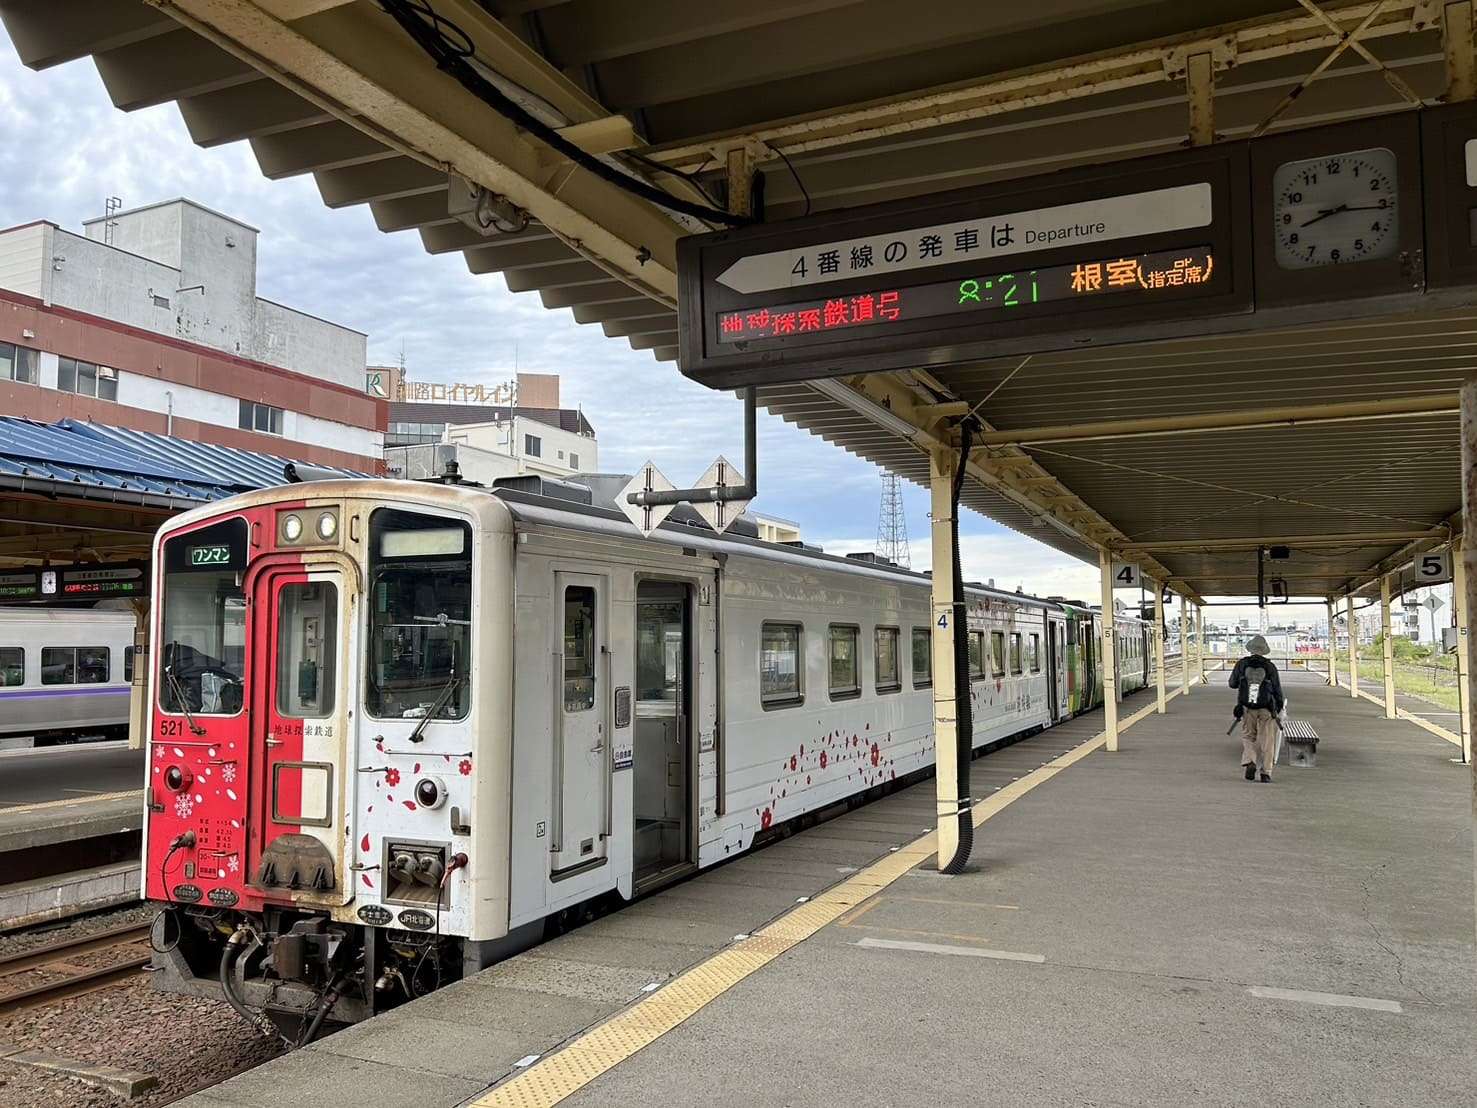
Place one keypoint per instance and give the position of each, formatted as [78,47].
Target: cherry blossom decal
[464,767]
[392,777]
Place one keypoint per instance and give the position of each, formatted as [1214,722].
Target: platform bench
[1302,743]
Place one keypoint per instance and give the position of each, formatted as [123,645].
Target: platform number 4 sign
[1125,575]
[1433,569]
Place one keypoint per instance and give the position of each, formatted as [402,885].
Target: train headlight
[327,526]
[177,778]
[430,792]
[292,528]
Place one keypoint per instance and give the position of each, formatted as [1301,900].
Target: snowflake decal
[228,773]
[392,777]
[233,863]
[183,806]
[465,767]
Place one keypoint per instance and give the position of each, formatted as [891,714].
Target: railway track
[73,980]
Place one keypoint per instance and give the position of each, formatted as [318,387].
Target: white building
[529,445]
[151,320]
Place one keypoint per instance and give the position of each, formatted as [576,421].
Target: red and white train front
[313,765]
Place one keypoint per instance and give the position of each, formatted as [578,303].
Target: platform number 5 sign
[1433,569]
[1125,575]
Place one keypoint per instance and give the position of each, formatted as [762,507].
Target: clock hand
[1324,213]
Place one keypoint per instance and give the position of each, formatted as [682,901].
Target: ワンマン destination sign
[965,273]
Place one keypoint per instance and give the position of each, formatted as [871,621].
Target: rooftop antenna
[892,524]
[111,207]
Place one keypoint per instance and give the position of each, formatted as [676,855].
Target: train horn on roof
[298,472]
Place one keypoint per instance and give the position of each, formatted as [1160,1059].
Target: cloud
[450,324]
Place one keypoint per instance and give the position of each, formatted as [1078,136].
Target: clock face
[1336,209]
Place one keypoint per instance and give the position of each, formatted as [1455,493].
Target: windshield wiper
[179,697]
[436,705]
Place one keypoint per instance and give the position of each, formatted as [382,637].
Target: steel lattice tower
[892,524]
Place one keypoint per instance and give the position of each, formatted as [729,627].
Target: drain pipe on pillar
[963,709]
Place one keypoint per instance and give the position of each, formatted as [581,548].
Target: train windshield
[202,661]
[420,616]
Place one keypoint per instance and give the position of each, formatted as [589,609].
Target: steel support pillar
[1159,641]
[1184,647]
[1200,93]
[945,712]
[1109,654]
[1461,67]
[1387,641]
[1469,525]
[1463,662]
[138,704]
[1200,628]
[1353,649]
[1333,677]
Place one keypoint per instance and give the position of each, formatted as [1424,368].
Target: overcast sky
[71,149]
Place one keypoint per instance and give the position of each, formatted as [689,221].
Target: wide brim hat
[1257,645]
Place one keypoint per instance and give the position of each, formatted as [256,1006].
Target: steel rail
[78,980]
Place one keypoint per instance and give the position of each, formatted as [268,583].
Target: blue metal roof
[94,461]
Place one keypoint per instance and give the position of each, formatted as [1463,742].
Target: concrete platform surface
[50,822]
[30,777]
[448,1047]
[1186,923]
[1146,927]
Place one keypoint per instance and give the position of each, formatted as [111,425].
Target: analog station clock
[1336,209]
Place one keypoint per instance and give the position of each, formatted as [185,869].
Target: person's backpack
[1255,690]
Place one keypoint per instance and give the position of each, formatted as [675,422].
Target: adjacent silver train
[64,675]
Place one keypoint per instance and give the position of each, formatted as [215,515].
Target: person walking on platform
[1258,703]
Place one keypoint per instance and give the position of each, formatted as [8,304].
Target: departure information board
[1163,274]
[75,583]
[1085,255]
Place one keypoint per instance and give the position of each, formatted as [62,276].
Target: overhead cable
[452,50]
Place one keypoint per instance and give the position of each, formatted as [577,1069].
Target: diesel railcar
[395,727]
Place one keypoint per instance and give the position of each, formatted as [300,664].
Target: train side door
[662,756]
[300,701]
[582,753]
[1056,668]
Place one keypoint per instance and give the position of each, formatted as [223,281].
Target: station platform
[1138,927]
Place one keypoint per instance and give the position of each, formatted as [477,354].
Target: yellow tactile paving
[72,802]
[558,1075]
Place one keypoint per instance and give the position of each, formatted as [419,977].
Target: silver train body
[476,712]
[64,674]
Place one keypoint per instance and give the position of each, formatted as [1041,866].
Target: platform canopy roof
[72,491]
[839,103]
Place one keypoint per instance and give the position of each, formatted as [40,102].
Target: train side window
[845,668]
[997,653]
[922,657]
[885,640]
[1035,655]
[976,655]
[1015,652]
[58,665]
[579,648]
[779,665]
[128,665]
[94,665]
[12,666]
